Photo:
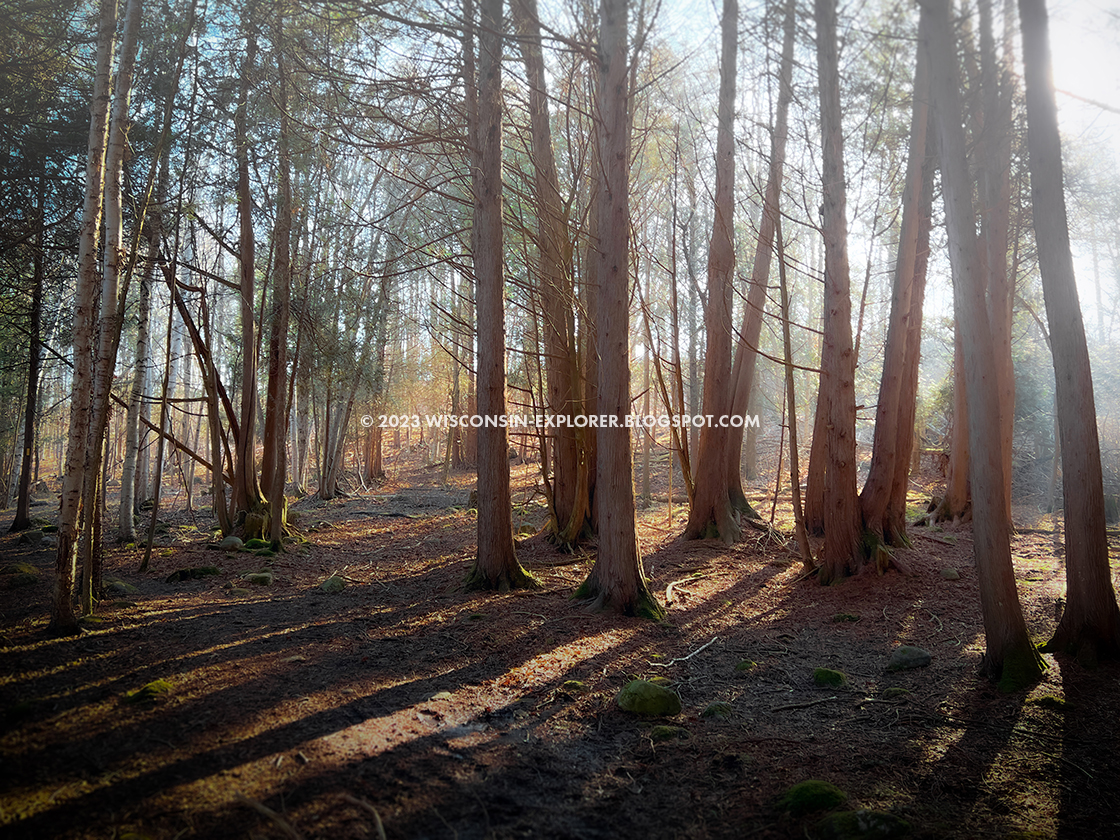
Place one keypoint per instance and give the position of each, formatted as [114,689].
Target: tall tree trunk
[112,304]
[496,566]
[842,553]
[746,356]
[1010,657]
[570,508]
[22,519]
[616,580]
[126,519]
[274,460]
[63,619]
[246,490]
[894,404]
[1090,625]
[711,513]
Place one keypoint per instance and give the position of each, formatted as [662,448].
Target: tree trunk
[496,566]
[1010,657]
[842,553]
[22,519]
[616,580]
[711,513]
[1090,625]
[274,461]
[63,619]
[126,519]
[892,434]
[246,490]
[570,513]
[746,355]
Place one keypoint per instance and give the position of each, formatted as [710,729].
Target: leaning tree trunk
[1090,625]
[842,553]
[63,619]
[496,566]
[746,350]
[1010,657]
[711,514]
[616,580]
[891,441]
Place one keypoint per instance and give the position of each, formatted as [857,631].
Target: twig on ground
[361,803]
[791,706]
[683,658]
[264,810]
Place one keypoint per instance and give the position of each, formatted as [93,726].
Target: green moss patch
[149,693]
[333,584]
[645,698]
[810,796]
[1049,701]
[667,733]
[829,677]
[745,666]
[719,710]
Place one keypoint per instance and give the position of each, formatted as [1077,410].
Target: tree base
[598,599]
[1021,668]
[511,578]
[1085,644]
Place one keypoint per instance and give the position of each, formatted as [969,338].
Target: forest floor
[403,702]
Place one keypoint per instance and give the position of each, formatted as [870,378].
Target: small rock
[192,574]
[259,578]
[333,584]
[442,695]
[231,543]
[30,538]
[950,573]
[907,656]
[645,698]
[237,592]
[745,666]
[120,587]
[667,733]
[811,795]
[861,825]
[719,710]
[828,676]
[895,692]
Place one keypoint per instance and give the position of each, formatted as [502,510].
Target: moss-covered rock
[745,666]
[842,617]
[194,573]
[861,825]
[829,677]
[906,657]
[719,710]
[231,543]
[120,587]
[152,691]
[237,592]
[949,573]
[645,698]
[895,693]
[30,537]
[573,687]
[667,733]
[261,578]
[19,569]
[810,796]
[256,544]
[20,580]
[333,584]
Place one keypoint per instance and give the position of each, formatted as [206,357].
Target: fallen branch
[264,810]
[683,658]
